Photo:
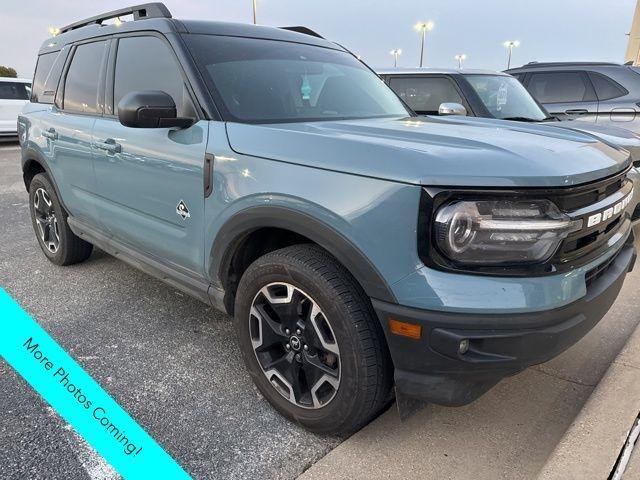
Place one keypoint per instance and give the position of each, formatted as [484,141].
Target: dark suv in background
[597,92]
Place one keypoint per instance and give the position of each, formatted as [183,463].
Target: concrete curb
[590,447]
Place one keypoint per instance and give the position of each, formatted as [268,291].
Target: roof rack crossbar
[139,12]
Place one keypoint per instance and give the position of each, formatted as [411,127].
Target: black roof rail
[304,30]
[565,64]
[139,12]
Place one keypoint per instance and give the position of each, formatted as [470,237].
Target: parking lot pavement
[169,360]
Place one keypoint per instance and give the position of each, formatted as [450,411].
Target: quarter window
[45,62]
[606,89]
[558,87]
[423,94]
[146,63]
[83,77]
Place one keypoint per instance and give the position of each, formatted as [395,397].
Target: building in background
[633,47]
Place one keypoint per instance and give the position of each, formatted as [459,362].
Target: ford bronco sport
[271,174]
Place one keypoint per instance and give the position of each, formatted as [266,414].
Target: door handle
[51,134]
[577,111]
[109,146]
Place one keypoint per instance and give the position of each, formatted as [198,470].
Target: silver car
[604,93]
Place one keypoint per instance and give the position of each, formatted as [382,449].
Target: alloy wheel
[295,345]
[46,221]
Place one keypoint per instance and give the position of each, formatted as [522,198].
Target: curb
[590,447]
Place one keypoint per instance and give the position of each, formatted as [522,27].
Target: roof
[162,22]
[13,79]
[434,70]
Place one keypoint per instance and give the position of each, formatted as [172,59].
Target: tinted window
[505,97]
[83,77]
[272,81]
[43,67]
[146,63]
[14,91]
[425,94]
[558,87]
[606,89]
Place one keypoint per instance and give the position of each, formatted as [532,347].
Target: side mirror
[150,109]
[452,109]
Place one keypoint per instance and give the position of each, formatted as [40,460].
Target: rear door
[69,124]
[145,174]
[568,95]
[13,96]
[612,106]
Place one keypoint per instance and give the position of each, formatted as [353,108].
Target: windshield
[506,98]
[259,81]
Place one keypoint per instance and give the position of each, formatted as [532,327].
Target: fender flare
[233,232]
[31,155]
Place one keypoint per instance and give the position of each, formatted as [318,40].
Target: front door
[567,95]
[150,181]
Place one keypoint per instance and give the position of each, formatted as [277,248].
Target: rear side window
[558,87]
[425,94]
[43,67]
[146,63]
[83,76]
[606,89]
[14,91]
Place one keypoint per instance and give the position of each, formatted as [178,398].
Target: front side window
[425,94]
[558,87]
[83,77]
[146,63]
[505,97]
[14,91]
[257,81]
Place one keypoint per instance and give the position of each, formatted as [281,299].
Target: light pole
[255,7]
[396,52]
[460,58]
[510,44]
[423,28]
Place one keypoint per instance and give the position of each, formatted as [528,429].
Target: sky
[548,30]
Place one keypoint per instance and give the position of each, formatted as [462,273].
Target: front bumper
[433,369]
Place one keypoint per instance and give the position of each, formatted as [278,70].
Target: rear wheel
[59,244]
[311,340]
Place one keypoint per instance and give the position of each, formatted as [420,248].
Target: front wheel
[311,341]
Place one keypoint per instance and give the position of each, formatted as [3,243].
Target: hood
[437,152]
[613,135]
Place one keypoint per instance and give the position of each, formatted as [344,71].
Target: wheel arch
[32,164]
[292,227]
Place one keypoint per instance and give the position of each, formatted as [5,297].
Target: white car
[14,94]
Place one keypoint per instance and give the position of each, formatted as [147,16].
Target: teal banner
[79,399]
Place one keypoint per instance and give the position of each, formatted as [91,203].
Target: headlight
[499,232]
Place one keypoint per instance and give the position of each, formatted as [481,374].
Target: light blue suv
[269,173]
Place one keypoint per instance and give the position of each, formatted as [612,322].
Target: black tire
[69,248]
[365,366]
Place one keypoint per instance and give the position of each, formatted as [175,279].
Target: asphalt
[170,361]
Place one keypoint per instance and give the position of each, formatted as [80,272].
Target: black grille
[590,242]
